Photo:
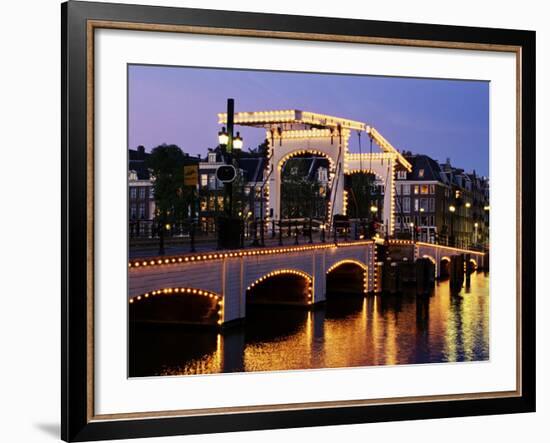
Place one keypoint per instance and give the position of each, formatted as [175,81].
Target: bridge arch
[365,171]
[271,288]
[352,172]
[177,305]
[296,152]
[344,280]
[323,143]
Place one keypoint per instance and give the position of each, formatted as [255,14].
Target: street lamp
[223,137]
[374,209]
[452,210]
[476,224]
[411,225]
[238,142]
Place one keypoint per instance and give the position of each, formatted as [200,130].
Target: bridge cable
[370,157]
[362,173]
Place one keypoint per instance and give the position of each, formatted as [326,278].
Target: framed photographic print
[276,221]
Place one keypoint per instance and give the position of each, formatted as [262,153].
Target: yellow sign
[191,175]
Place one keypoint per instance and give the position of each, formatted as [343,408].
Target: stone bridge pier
[438,254]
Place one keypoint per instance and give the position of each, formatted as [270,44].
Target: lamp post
[421,225]
[230,229]
[411,225]
[476,224]
[372,225]
[486,220]
[467,205]
[452,210]
[231,143]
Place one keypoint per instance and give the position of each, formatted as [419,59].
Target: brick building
[441,203]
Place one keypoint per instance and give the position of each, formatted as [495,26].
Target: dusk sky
[440,118]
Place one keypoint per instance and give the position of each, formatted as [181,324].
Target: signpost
[191,175]
[226,173]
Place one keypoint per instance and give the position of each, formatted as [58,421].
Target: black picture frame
[77,423]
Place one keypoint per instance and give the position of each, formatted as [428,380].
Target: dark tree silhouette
[172,198]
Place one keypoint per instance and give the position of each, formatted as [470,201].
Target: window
[141,213]
[133,193]
[415,205]
[432,189]
[132,212]
[151,192]
[204,180]
[211,181]
[142,192]
[431,206]
[203,204]
[424,204]
[416,189]
[457,194]
[406,204]
[406,189]
[407,220]
[211,157]
[423,220]
[401,175]
[421,173]
[211,203]
[322,175]
[220,202]
[424,189]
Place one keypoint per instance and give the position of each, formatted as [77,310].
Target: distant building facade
[442,204]
[434,202]
[141,202]
[251,186]
[210,191]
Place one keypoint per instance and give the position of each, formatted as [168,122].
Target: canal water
[348,331]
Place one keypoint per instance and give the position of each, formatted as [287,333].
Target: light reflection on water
[346,332]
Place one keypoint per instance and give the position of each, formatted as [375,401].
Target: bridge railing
[190,235]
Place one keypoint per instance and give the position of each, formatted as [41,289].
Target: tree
[300,195]
[172,198]
[363,191]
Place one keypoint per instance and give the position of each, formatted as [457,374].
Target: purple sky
[440,118]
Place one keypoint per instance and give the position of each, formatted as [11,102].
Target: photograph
[296,221]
